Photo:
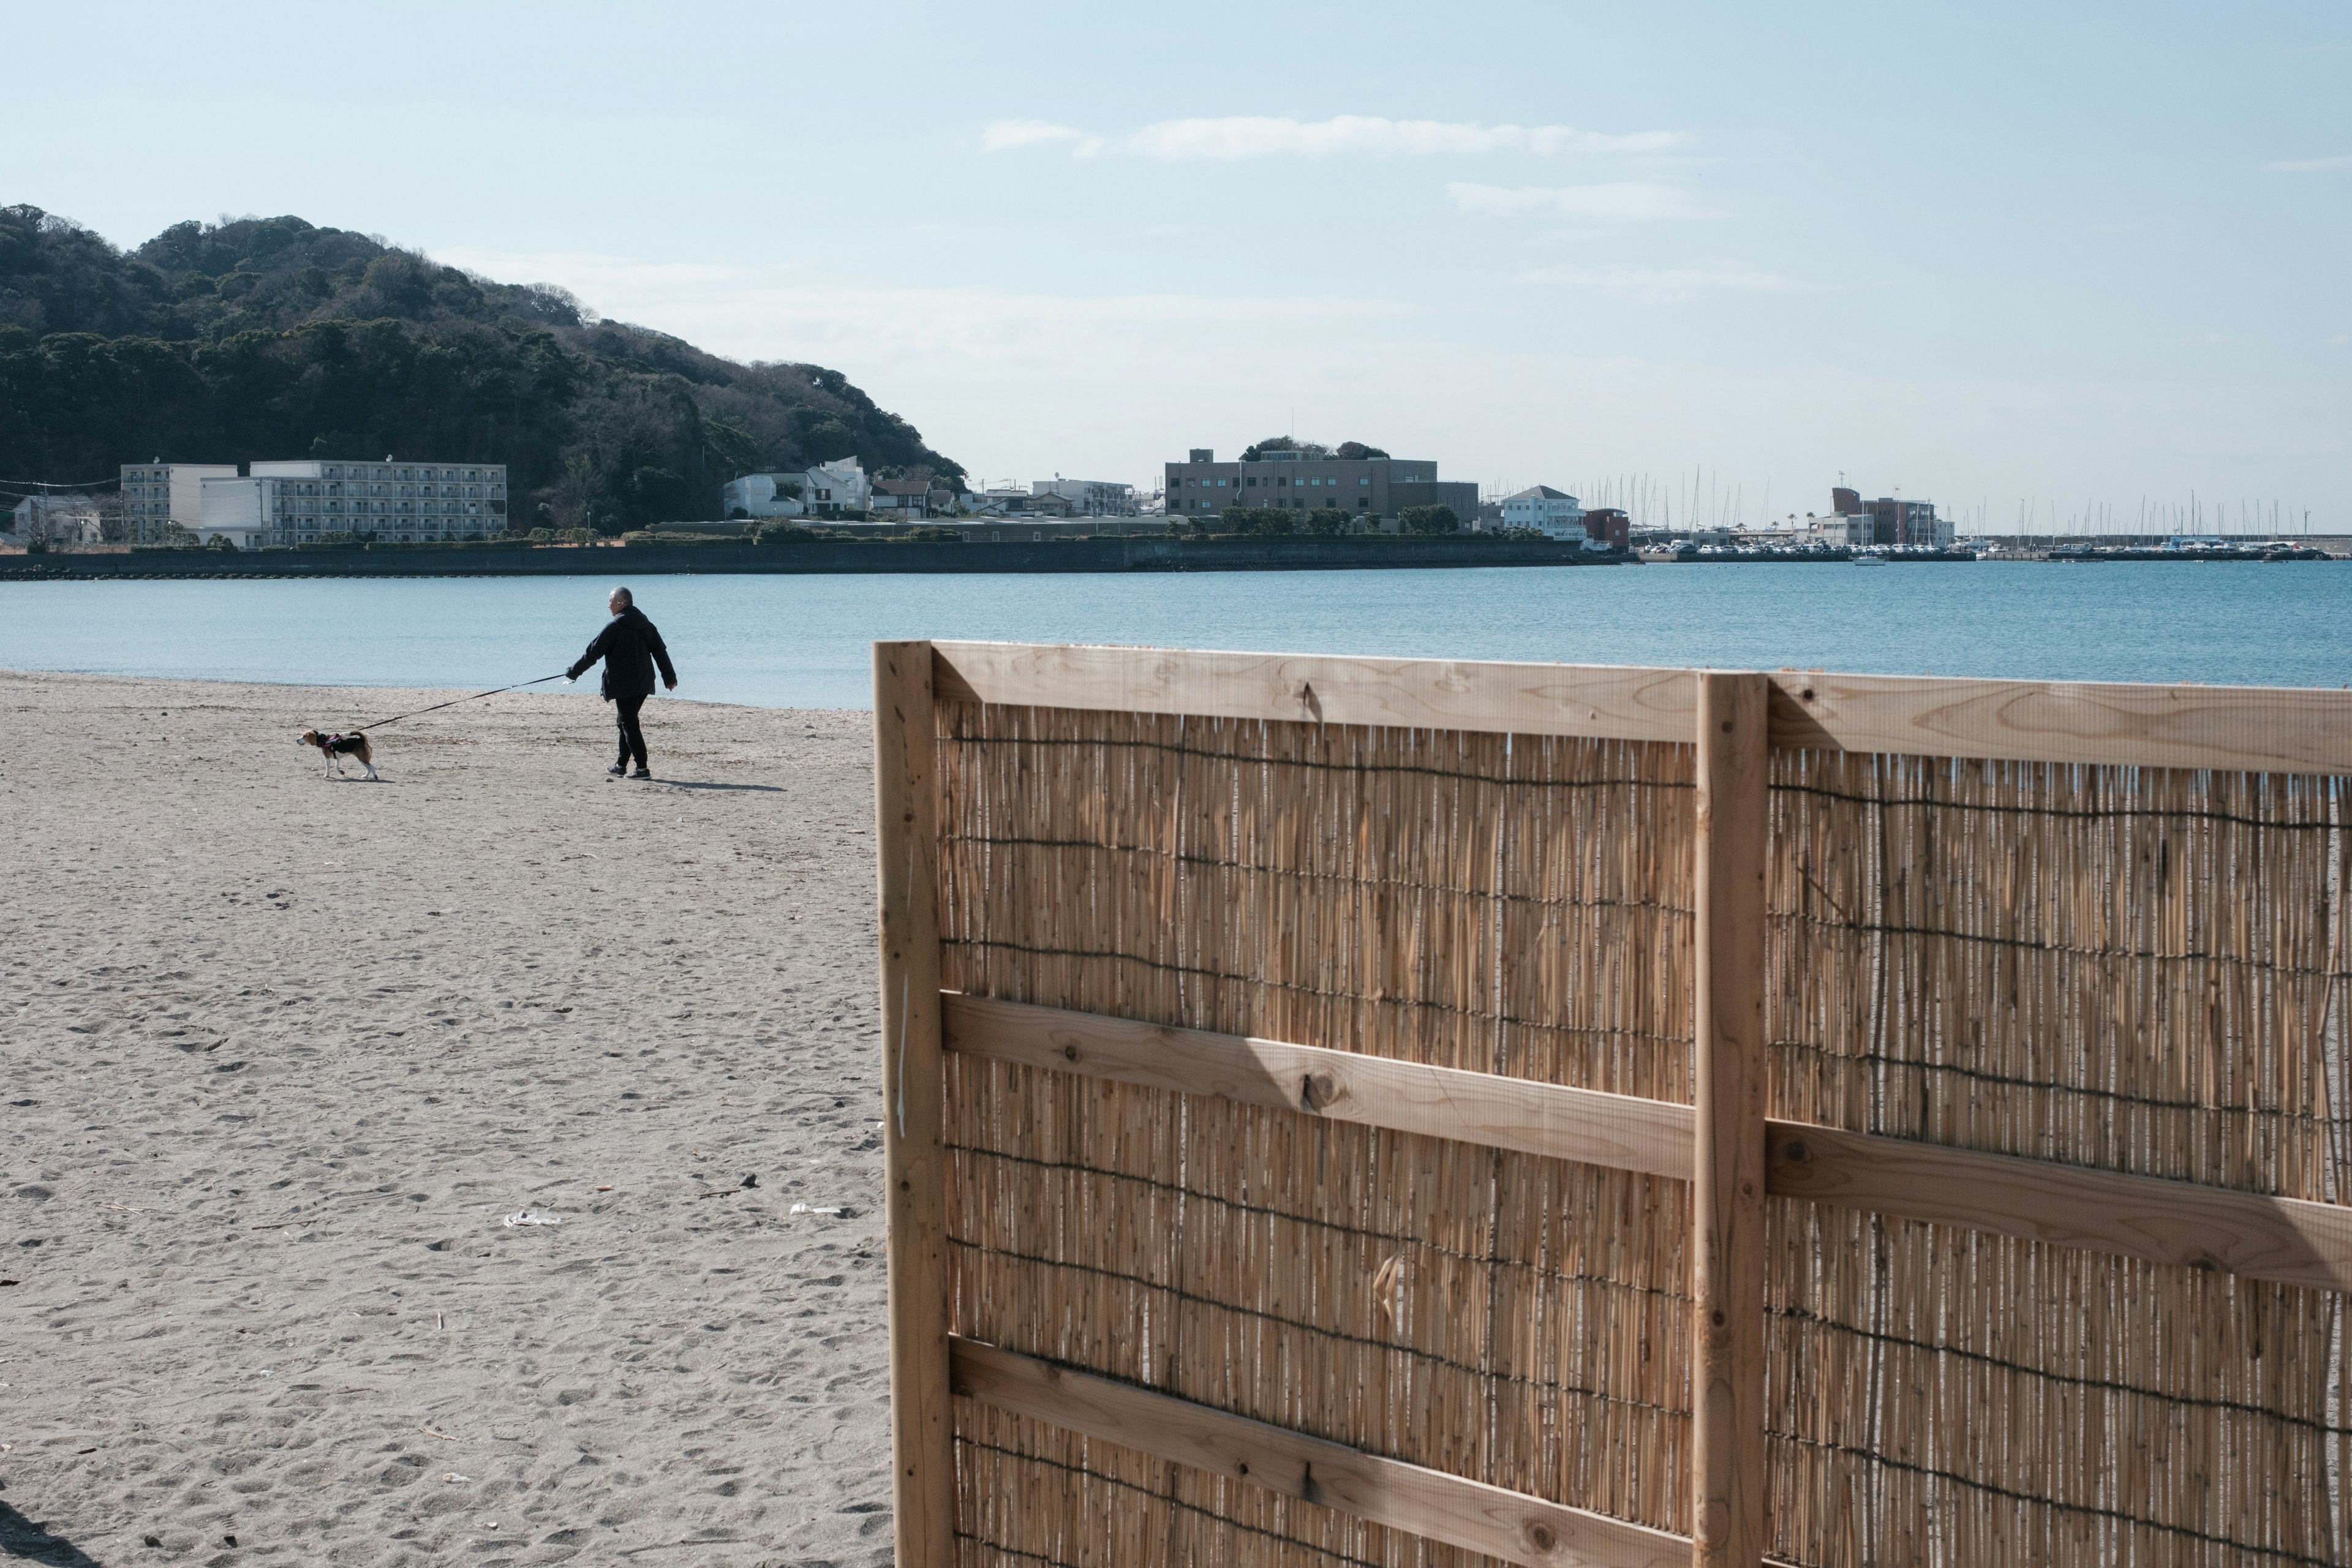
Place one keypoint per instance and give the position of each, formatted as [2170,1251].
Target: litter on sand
[524,1216]
[811,1208]
[453,1476]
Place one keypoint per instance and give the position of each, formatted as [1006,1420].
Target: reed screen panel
[2132,970]
[1488,902]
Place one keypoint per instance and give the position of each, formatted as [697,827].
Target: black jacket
[630,649]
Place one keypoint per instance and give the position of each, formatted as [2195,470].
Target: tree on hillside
[1429,519]
[273,338]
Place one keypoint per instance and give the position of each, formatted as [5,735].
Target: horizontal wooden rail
[2243,728]
[1581,1124]
[1619,702]
[1431,1503]
[2288,1240]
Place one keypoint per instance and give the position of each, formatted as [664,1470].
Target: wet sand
[281,1054]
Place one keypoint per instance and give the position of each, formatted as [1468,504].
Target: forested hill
[269,338]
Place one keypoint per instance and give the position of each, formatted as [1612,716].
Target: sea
[802,641]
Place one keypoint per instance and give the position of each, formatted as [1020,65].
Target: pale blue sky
[1984,252]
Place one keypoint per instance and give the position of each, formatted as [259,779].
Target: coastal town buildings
[1374,490]
[1089,498]
[1608,527]
[158,497]
[1862,524]
[824,489]
[1554,513]
[57,520]
[902,500]
[297,501]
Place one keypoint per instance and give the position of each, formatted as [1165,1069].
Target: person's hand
[671,685]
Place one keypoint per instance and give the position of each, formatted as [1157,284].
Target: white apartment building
[1555,513]
[1089,498]
[826,489]
[294,503]
[235,509]
[157,495]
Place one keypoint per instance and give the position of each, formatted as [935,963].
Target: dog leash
[396,717]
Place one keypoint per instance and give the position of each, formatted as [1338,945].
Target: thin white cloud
[1664,283]
[2310,165]
[1007,135]
[1616,201]
[1237,138]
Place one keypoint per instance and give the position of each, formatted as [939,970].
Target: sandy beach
[282,1056]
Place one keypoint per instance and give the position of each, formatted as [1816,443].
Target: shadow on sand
[23,1541]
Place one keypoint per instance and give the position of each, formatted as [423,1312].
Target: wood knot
[1316,1091]
[1540,1536]
[1794,1151]
[1806,695]
[1069,1053]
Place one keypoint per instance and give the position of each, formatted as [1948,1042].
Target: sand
[280,1056]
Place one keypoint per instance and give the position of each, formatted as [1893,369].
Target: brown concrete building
[1374,489]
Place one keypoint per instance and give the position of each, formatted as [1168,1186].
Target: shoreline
[821,558]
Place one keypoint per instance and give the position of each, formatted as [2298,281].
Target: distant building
[1610,528]
[1554,513]
[1372,489]
[159,496]
[58,520]
[762,495]
[1886,521]
[824,489]
[902,500]
[1091,498]
[296,501]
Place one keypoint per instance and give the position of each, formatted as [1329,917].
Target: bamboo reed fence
[1406,1112]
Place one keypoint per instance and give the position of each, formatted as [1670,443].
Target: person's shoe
[617,769]
[642,774]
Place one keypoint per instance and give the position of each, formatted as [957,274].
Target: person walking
[630,647]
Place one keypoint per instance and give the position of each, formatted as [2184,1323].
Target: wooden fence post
[1728,1526]
[906,843]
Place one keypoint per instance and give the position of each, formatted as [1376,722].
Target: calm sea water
[801,641]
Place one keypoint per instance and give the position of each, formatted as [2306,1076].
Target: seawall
[822,557]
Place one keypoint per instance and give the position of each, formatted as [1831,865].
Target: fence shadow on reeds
[1341,1110]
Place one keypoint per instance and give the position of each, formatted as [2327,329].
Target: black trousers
[633,739]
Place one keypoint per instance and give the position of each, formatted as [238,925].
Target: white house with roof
[824,489]
[57,520]
[1554,513]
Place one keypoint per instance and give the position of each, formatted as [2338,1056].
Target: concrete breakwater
[820,557]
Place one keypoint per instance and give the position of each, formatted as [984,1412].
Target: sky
[2026,261]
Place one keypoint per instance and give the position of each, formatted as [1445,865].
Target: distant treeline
[270,338]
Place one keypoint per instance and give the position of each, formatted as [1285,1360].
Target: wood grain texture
[2242,729]
[905,842]
[1584,1125]
[1431,1503]
[1611,701]
[1730,1529]
[2248,729]
[2284,1239]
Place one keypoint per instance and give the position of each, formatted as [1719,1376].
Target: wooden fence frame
[1722,1143]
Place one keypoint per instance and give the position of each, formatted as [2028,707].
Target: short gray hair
[624,595]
